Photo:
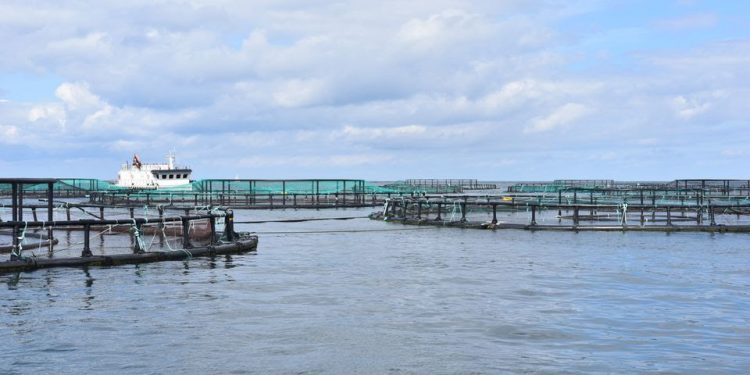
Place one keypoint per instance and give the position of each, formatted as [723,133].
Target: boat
[139,175]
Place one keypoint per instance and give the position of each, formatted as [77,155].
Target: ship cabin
[171,174]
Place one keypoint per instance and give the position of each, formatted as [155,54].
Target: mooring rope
[21,238]
[88,213]
[137,235]
[348,231]
[301,220]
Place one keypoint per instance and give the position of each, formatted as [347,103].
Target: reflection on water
[438,300]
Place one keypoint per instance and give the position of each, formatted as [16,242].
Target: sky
[495,90]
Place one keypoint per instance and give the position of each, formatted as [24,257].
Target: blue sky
[494,90]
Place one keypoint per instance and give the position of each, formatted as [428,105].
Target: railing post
[419,209]
[669,215]
[50,233]
[86,237]
[15,251]
[229,225]
[439,209]
[494,213]
[533,215]
[283,193]
[186,232]
[212,224]
[14,203]
[643,219]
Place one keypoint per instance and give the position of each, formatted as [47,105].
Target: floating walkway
[43,243]
[247,244]
[601,210]
[719,228]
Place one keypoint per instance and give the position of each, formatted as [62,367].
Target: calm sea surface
[368,297]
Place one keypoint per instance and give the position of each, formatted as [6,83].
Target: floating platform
[247,243]
[469,224]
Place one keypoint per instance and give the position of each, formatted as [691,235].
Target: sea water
[360,296]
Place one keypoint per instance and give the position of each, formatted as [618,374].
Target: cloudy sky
[380,90]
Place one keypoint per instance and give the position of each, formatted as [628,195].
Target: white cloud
[77,96]
[53,112]
[345,83]
[297,93]
[686,109]
[313,161]
[9,134]
[437,26]
[372,134]
[92,43]
[564,115]
[410,138]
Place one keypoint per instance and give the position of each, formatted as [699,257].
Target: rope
[21,238]
[137,234]
[166,239]
[456,206]
[300,220]
[98,234]
[348,231]
[40,238]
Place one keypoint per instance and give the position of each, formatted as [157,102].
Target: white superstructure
[140,175]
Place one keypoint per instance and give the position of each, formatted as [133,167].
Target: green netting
[72,185]
[312,186]
[408,188]
[556,186]
[535,188]
[86,184]
[279,186]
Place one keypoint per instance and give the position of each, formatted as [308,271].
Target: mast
[171,160]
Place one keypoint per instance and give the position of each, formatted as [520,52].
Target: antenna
[171,159]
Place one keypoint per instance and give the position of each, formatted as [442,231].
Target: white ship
[139,175]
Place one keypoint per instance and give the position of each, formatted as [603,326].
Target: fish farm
[59,233]
[52,222]
[149,225]
[682,205]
